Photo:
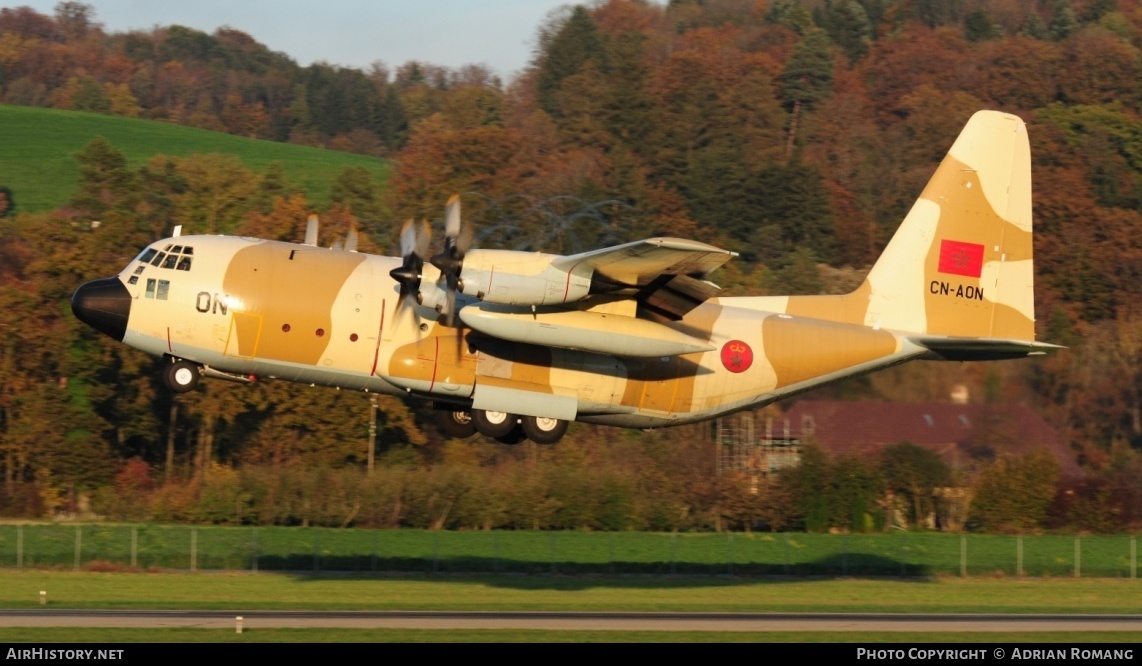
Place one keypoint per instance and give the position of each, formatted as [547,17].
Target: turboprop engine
[508,277]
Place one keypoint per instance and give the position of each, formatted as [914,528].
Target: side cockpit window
[158,289]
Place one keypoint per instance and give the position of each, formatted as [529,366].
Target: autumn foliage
[795,132]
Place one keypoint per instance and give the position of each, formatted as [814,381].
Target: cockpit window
[167,248]
[150,288]
[158,258]
[148,254]
[170,261]
[184,263]
[177,249]
[188,250]
[164,287]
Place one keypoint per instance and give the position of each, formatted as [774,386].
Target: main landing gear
[503,427]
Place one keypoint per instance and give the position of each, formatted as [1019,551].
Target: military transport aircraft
[517,344]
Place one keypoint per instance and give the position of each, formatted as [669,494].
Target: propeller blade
[407,238]
[452,216]
[457,235]
[449,312]
[414,240]
[337,245]
[423,237]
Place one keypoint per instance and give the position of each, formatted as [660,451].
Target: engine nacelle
[522,278]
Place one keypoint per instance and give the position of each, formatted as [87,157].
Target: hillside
[37,145]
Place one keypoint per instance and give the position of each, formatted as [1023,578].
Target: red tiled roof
[956,432]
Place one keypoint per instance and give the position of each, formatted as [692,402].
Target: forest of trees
[795,132]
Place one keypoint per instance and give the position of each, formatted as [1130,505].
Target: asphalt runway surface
[581,621]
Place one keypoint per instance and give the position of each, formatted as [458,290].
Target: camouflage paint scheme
[955,282]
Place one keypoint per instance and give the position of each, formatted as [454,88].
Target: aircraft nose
[103,305]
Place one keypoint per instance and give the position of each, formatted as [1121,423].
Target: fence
[297,549]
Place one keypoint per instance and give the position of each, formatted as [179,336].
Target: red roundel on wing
[737,356]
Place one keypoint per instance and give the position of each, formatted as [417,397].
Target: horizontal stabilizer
[980,349]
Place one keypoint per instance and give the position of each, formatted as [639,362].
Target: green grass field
[37,145]
[899,554]
[275,591]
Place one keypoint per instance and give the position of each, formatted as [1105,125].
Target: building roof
[960,433]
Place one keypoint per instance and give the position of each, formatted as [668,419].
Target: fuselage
[334,318]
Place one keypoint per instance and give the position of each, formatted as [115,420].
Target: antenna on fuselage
[177,231]
[311,231]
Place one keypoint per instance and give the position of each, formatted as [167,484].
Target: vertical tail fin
[960,263]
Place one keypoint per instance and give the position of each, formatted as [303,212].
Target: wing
[669,273]
[641,262]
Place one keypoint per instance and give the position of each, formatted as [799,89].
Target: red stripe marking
[567,287]
[435,364]
[380,329]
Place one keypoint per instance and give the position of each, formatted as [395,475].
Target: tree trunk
[792,130]
[169,467]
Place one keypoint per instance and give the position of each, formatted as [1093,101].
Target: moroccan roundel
[737,356]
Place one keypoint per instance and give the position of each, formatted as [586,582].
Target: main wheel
[181,376]
[514,437]
[493,424]
[543,430]
[456,423]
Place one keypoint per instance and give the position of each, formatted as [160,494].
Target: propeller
[450,262]
[414,239]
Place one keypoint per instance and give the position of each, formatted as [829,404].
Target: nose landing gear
[182,376]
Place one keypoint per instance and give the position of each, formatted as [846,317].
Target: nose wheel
[182,376]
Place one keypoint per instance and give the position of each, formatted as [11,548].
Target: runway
[579,621]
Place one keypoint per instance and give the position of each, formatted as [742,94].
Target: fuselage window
[147,254]
[184,263]
[170,261]
[150,288]
[164,287]
[158,258]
